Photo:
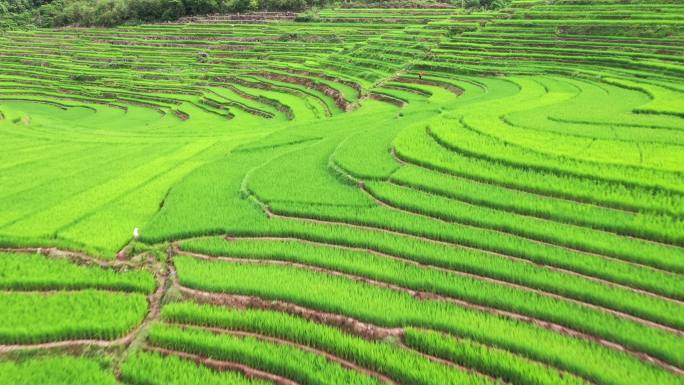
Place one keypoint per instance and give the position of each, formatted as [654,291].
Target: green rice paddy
[398,195]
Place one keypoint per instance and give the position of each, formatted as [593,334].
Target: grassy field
[408,194]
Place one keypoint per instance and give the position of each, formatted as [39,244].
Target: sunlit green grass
[526,165]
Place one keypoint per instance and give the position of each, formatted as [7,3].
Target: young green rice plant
[645,225]
[556,233]
[508,367]
[358,260]
[416,146]
[281,178]
[391,308]
[38,272]
[381,217]
[482,127]
[142,368]
[60,218]
[238,216]
[349,207]
[603,111]
[366,155]
[31,318]
[274,181]
[364,264]
[384,357]
[301,366]
[460,137]
[56,370]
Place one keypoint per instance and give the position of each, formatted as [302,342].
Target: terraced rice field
[404,196]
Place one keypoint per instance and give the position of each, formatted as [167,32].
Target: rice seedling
[301,366]
[38,272]
[152,368]
[31,318]
[390,308]
[56,370]
[498,189]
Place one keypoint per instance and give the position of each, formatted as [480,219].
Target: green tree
[110,12]
[201,7]
[172,9]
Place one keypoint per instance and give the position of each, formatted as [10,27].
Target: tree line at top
[16,14]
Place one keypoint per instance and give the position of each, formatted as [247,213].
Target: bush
[16,6]
[80,13]
[144,9]
[171,9]
[86,78]
[487,4]
[231,6]
[199,7]
[309,16]
[285,5]
[109,13]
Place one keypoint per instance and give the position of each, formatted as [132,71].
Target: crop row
[656,281]
[578,238]
[391,308]
[387,358]
[38,272]
[643,225]
[56,370]
[30,318]
[416,146]
[144,368]
[301,366]
[408,275]
[240,217]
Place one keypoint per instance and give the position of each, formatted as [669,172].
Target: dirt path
[67,290]
[421,295]
[225,366]
[77,257]
[138,336]
[64,344]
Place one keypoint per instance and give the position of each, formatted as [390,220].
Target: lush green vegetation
[36,317]
[152,368]
[57,370]
[108,13]
[408,275]
[53,299]
[504,364]
[37,272]
[302,366]
[384,357]
[396,309]
[408,192]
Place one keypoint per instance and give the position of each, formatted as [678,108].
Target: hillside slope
[407,195]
